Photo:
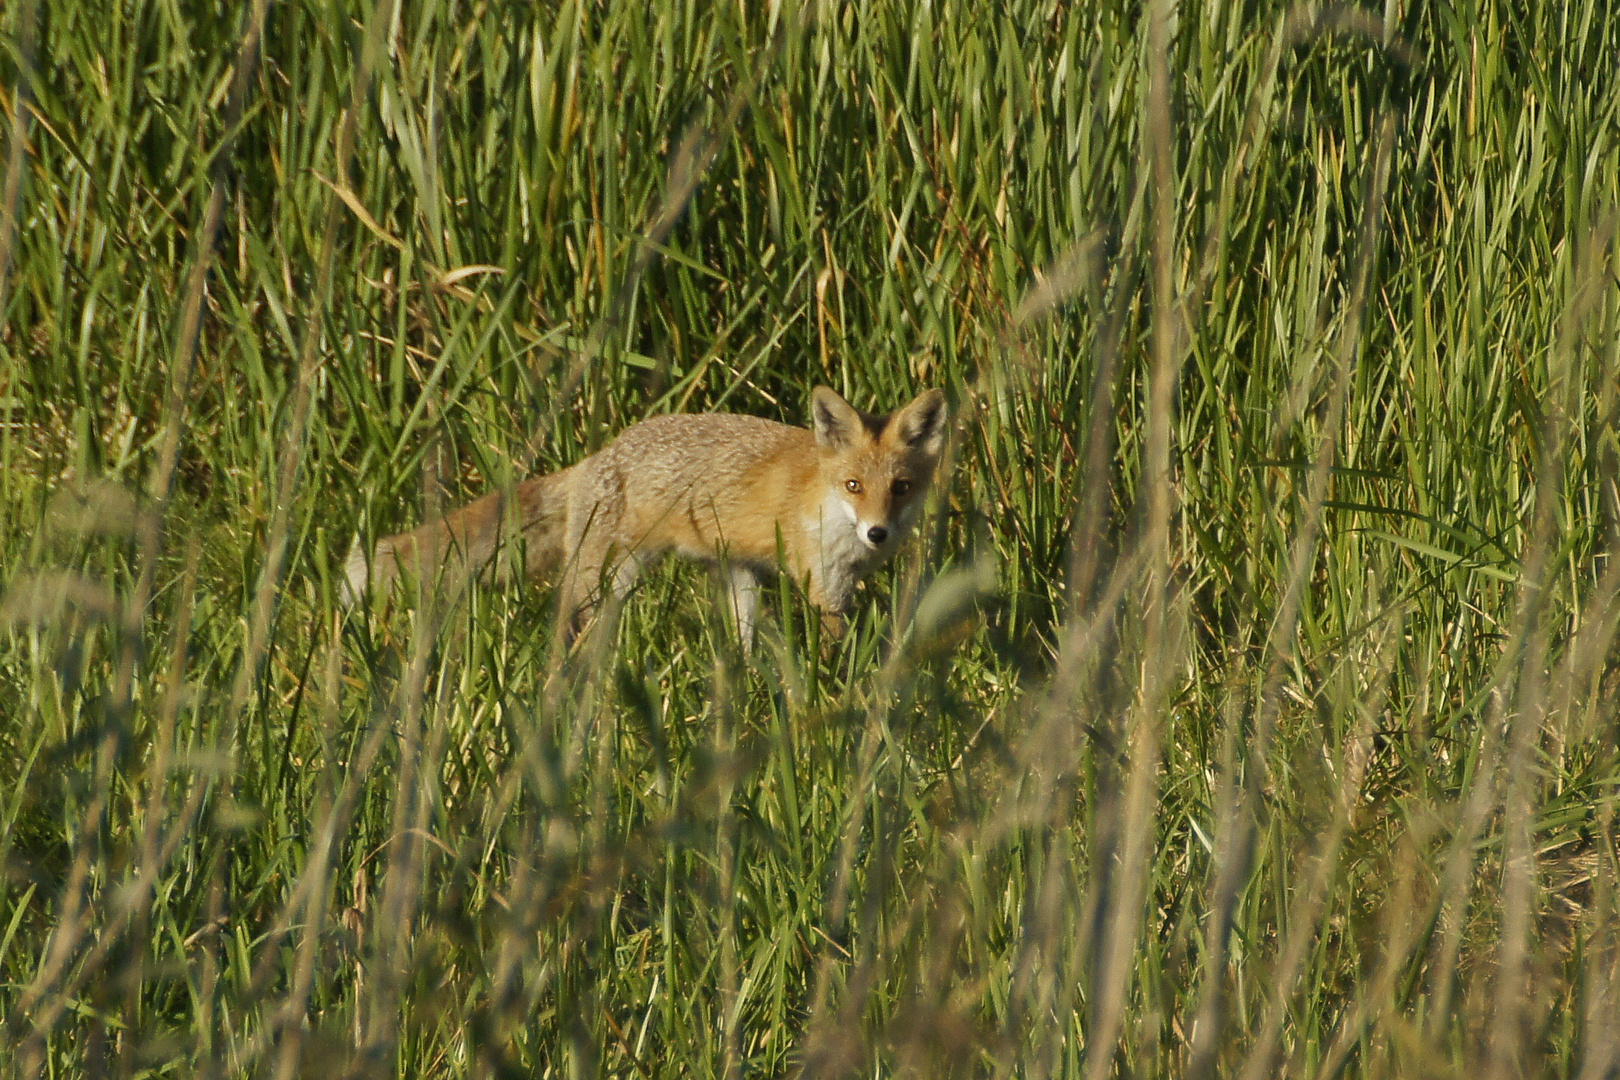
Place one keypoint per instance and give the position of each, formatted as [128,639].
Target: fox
[742,493]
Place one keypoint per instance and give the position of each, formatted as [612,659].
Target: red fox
[835,501]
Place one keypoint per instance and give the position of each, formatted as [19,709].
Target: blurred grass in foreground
[1247,708]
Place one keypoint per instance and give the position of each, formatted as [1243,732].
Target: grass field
[1245,706]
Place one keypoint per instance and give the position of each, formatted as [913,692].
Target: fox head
[877,468]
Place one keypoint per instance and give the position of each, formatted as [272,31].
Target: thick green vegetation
[1244,706]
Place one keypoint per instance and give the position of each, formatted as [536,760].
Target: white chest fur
[843,558]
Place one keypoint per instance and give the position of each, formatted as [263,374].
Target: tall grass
[1245,706]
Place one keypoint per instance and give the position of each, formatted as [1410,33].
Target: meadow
[1245,705]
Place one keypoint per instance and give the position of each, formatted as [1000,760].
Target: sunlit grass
[1244,706]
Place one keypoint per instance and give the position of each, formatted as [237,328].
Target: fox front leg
[833,626]
[831,595]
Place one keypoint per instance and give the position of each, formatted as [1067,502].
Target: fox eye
[853,486]
[900,487]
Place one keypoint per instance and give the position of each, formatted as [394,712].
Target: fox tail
[469,540]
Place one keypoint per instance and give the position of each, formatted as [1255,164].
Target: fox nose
[877,534]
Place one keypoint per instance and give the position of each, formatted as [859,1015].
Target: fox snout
[872,535]
[871,530]
[880,524]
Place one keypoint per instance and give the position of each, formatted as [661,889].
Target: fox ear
[921,424]
[835,421]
